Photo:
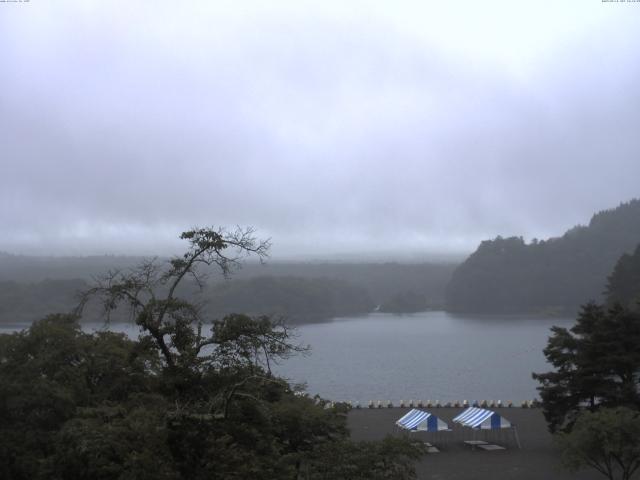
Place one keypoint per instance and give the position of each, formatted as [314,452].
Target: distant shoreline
[313,319]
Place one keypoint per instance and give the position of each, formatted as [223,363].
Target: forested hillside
[25,302]
[295,298]
[408,302]
[300,291]
[624,283]
[382,280]
[554,276]
[33,269]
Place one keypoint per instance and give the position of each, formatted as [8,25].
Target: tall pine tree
[596,364]
[624,283]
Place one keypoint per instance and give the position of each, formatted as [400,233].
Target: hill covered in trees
[407,302]
[382,280]
[32,287]
[25,302]
[27,269]
[295,298]
[555,275]
[624,283]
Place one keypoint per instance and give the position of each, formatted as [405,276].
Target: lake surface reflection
[431,355]
[422,356]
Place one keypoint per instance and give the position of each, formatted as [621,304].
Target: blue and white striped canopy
[419,420]
[482,419]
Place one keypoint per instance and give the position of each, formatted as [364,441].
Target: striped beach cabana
[483,419]
[421,421]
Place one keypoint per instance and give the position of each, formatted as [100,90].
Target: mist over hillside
[28,269]
[504,275]
[298,291]
[554,276]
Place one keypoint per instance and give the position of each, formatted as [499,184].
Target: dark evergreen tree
[596,364]
[624,283]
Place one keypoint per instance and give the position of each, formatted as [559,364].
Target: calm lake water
[423,356]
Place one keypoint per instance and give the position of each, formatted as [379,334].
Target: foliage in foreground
[596,364]
[190,399]
[364,460]
[607,440]
[101,406]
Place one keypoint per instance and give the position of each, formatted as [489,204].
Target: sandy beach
[537,460]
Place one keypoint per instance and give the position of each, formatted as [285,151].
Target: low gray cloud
[333,131]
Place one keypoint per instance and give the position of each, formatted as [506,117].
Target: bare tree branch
[149,290]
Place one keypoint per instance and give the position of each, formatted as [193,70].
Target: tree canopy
[555,275]
[406,302]
[607,441]
[623,285]
[596,364]
[297,299]
[191,398]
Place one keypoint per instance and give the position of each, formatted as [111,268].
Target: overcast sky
[350,127]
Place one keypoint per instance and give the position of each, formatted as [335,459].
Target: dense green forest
[191,398]
[294,298]
[555,275]
[34,286]
[100,406]
[297,299]
[408,302]
[381,280]
[624,283]
[25,302]
[33,269]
